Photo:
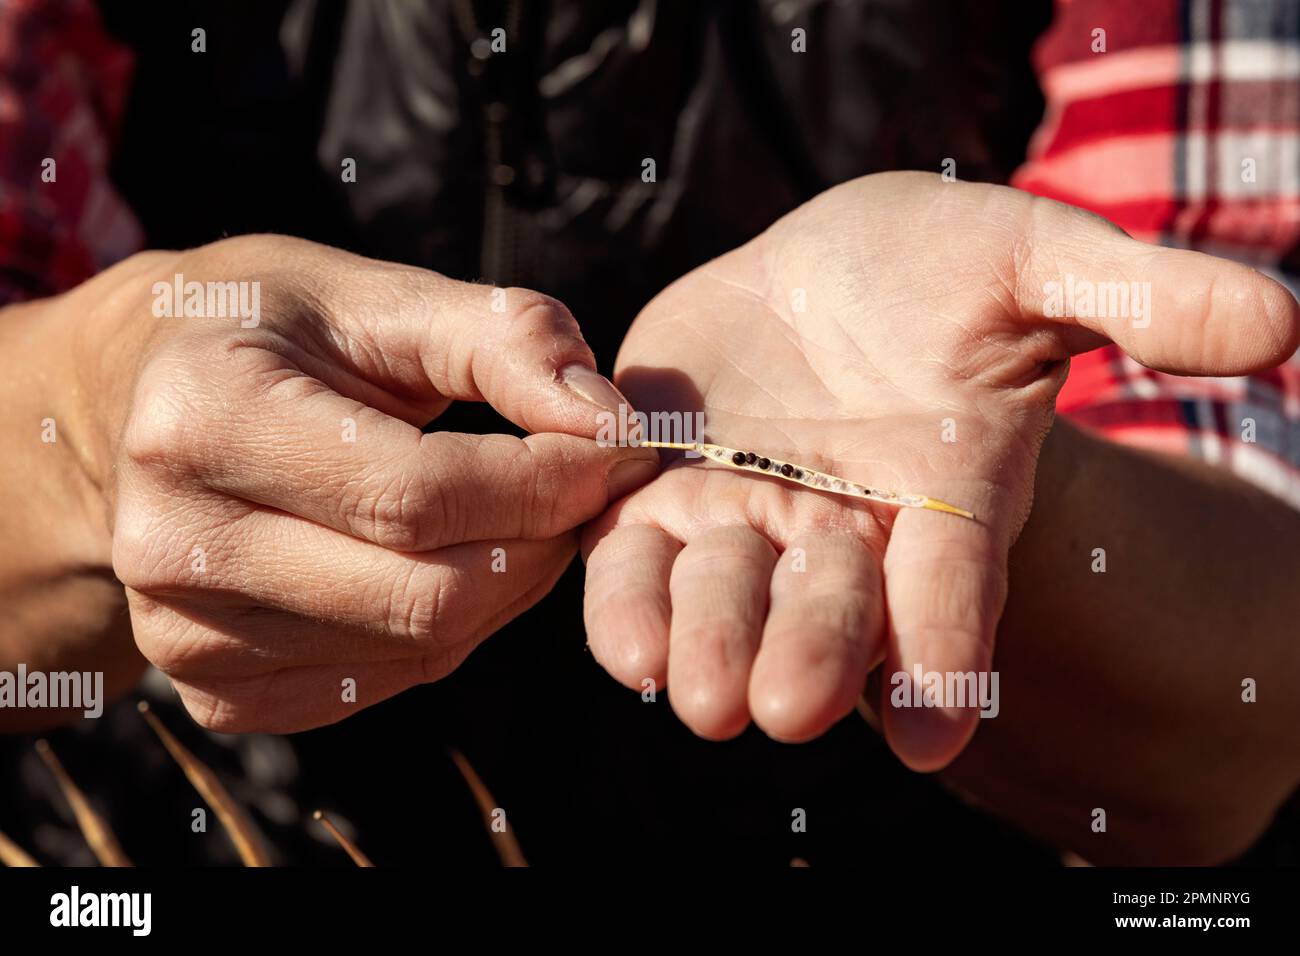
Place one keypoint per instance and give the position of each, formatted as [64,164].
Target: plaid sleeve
[1184,130]
[63,85]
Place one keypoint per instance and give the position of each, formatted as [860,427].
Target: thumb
[1173,310]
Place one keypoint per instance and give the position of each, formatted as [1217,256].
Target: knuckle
[255,703]
[147,552]
[540,498]
[440,501]
[534,313]
[395,513]
[205,709]
[223,712]
[160,429]
[533,495]
[429,607]
[179,648]
[174,655]
[171,420]
[416,606]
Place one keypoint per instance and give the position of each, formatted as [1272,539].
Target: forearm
[63,608]
[1123,689]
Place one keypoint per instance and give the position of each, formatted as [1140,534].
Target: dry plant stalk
[93,827]
[352,850]
[245,836]
[809,477]
[11,854]
[504,841]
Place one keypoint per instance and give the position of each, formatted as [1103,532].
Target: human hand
[925,361]
[279,521]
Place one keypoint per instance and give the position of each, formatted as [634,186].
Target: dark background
[247,138]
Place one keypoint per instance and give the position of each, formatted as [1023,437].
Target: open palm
[891,331]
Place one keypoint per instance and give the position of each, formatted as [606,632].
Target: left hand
[923,362]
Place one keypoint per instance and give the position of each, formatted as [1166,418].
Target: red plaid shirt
[1154,133]
[1185,131]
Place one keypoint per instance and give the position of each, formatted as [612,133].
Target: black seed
[750,458]
[787,469]
[764,464]
[798,473]
[738,458]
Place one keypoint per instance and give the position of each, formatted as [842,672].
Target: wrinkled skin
[279,521]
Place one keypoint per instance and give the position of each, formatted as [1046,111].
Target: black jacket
[525,167]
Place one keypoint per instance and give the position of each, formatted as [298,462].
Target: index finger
[427,337]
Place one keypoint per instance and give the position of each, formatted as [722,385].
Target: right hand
[268,556]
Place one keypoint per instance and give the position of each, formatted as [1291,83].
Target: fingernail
[591,386]
[627,476]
